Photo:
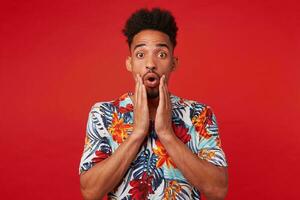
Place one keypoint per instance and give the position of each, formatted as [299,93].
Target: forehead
[151,38]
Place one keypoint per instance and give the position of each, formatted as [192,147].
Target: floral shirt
[152,174]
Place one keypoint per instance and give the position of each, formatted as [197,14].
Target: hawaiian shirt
[152,174]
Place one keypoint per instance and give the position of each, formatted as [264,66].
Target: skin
[152,48]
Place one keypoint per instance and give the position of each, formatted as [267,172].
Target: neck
[153,103]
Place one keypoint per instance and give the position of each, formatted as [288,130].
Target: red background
[60,57]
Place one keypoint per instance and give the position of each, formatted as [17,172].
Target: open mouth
[151,80]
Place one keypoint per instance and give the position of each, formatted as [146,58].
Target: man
[152,144]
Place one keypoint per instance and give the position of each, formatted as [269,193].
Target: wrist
[138,136]
[166,135]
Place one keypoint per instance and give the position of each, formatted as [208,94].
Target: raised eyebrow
[163,45]
[139,45]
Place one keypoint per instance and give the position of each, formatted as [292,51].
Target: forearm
[209,179]
[104,176]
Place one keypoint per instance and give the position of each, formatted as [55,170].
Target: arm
[208,178]
[105,175]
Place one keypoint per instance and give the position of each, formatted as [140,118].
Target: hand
[141,111]
[163,118]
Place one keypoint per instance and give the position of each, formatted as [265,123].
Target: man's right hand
[141,110]
[104,176]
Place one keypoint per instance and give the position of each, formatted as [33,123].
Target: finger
[135,90]
[161,91]
[137,86]
[166,88]
[135,78]
[166,94]
[139,95]
[144,96]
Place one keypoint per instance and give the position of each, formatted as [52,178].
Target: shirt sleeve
[97,146]
[209,142]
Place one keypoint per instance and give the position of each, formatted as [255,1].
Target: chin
[152,93]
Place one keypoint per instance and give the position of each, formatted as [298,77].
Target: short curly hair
[155,19]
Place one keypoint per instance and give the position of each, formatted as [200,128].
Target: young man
[152,144]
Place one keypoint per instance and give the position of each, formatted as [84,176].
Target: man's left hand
[163,118]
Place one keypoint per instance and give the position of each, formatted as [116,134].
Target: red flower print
[122,109]
[201,121]
[182,133]
[100,155]
[121,98]
[119,129]
[128,108]
[163,156]
[141,188]
[182,102]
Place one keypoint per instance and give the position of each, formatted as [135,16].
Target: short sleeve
[96,146]
[209,142]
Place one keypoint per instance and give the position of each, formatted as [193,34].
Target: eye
[139,55]
[162,54]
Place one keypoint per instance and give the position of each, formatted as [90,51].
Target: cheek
[136,67]
[137,64]
[138,70]
[166,67]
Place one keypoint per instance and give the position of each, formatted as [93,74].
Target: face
[151,56]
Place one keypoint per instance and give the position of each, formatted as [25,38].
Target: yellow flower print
[118,129]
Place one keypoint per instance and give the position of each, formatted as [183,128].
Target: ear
[128,64]
[174,63]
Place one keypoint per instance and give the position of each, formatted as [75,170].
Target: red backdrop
[60,57]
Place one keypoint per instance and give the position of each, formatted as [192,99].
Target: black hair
[155,19]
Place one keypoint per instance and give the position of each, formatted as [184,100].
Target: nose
[150,64]
[150,68]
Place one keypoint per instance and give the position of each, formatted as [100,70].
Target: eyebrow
[139,45]
[158,45]
[163,45]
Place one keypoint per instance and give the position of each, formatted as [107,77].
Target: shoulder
[98,106]
[180,101]
[195,107]
[115,105]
